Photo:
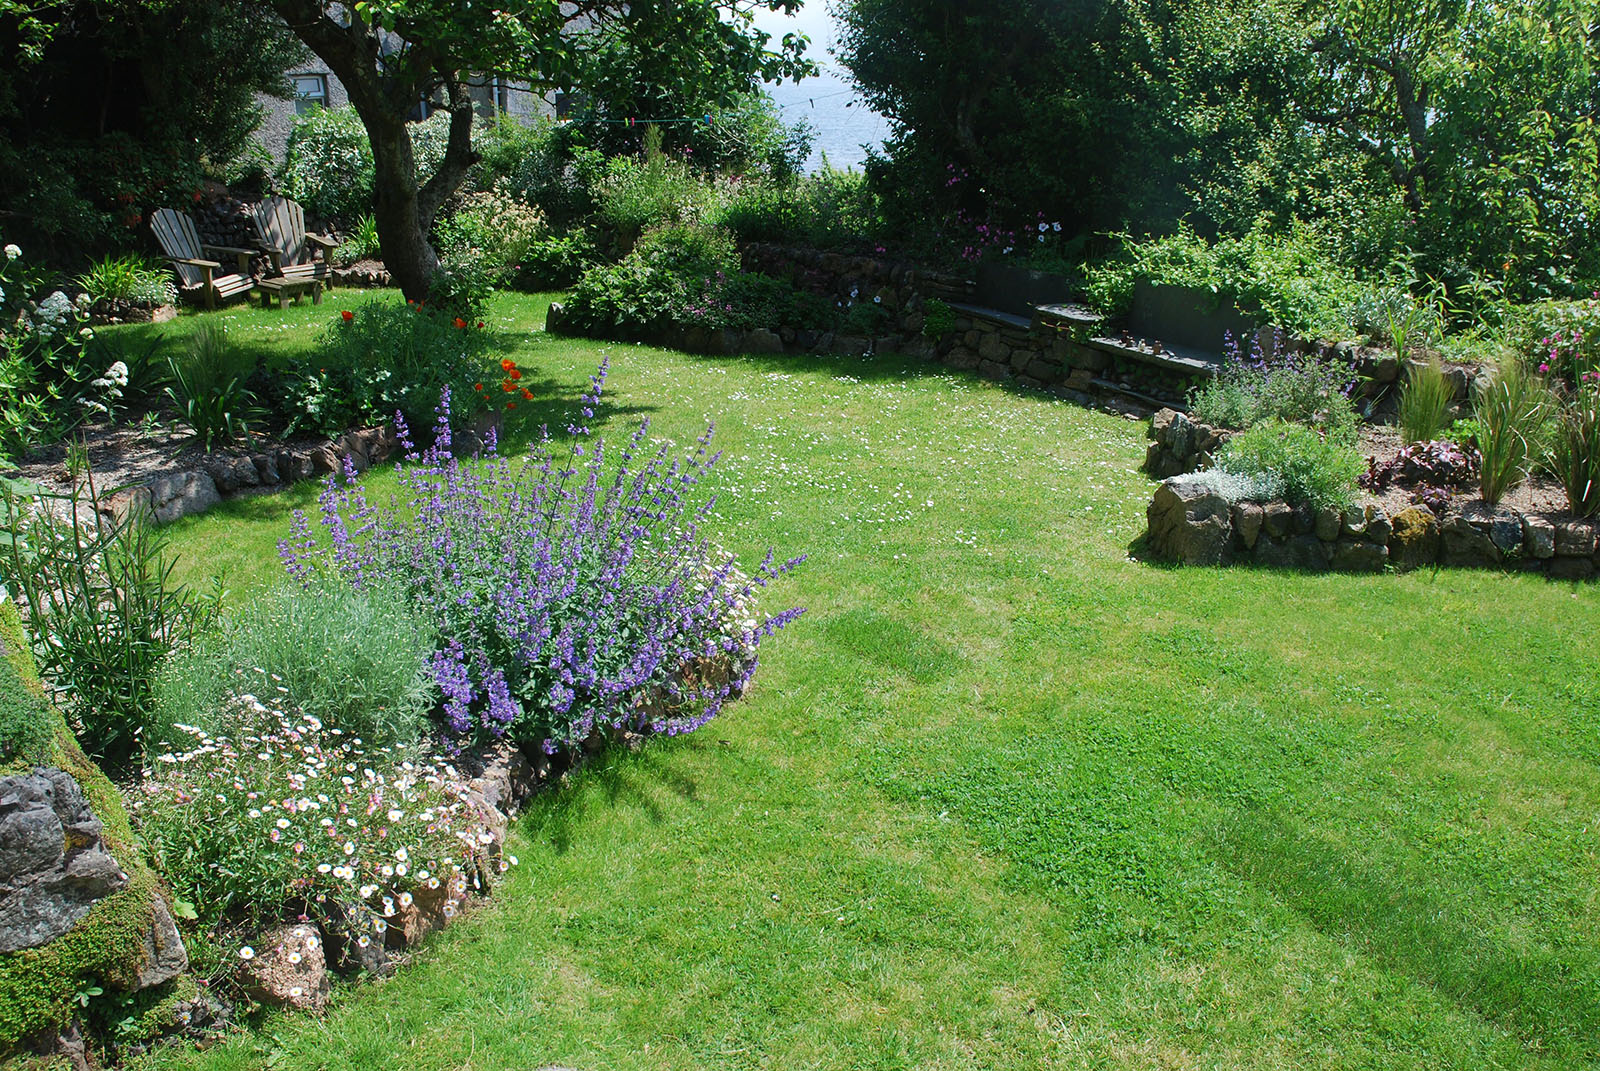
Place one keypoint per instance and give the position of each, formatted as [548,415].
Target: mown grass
[1006,798]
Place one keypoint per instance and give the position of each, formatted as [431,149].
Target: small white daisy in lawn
[247,953]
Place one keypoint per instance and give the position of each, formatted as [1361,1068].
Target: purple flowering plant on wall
[574,594]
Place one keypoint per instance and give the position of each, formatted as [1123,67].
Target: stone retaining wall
[1188,522]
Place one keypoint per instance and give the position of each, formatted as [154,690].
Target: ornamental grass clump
[1425,402]
[276,816]
[573,595]
[1577,447]
[1510,411]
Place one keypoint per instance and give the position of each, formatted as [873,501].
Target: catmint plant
[574,595]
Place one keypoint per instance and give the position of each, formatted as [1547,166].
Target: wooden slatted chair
[197,276]
[281,225]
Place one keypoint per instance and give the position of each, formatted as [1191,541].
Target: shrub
[573,596]
[127,280]
[1510,413]
[498,229]
[353,660]
[541,165]
[328,161]
[461,285]
[1289,277]
[1561,338]
[1425,399]
[49,380]
[672,272]
[938,319]
[280,816]
[208,388]
[102,611]
[1577,447]
[1294,388]
[554,261]
[361,243]
[1314,469]
[382,358]
[638,195]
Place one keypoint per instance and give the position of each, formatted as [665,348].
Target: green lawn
[1004,798]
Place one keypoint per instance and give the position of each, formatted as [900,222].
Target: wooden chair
[281,225]
[198,276]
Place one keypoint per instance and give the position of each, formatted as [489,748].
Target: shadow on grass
[1543,995]
[612,778]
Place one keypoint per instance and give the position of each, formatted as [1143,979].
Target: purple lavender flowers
[574,594]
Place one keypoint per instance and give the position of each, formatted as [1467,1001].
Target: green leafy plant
[1577,448]
[1425,399]
[386,357]
[102,610]
[128,279]
[495,228]
[354,659]
[1294,387]
[208,388]
[554,261]
[462,284]
[1313,469]
[361,243]
[938,319]
[1510,410]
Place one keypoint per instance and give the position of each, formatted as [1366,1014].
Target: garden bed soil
[1538,495]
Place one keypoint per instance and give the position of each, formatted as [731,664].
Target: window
[310,92]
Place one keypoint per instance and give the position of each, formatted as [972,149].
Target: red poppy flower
[515,373]
[460,322]
[508,364]
[527,394]
[477,386]
[480,325]
[511,405]
[508,386]
[348,315]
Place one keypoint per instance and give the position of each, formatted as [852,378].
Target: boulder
[1464,543]
[1247,521]
[1414,540]
[1276,519]
[1359,556]
[993,348]
[182,494]
[1538,537]
[1575,539]
[1302,551]
[761,340]
[288,969]
[1328,523]
[53,864]
[1188,522]
[164,955]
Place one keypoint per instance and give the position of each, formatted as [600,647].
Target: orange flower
[508,386]
[460,322]
[515,373]
[527,394]
[511,405]
[348,315]
[508,364]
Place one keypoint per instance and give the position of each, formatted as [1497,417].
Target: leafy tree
[1483,117]
[111,107]
[391,54]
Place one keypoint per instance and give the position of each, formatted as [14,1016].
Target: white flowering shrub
[49,379]
[281,817]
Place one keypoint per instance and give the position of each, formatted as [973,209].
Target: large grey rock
[53,865]
[1247,521]
[1575,539]
[762,340]
[1463,543]
[1327,524]
[1538,537]
[1188,522]
[164,955]
[182,494]
[1359,556]
[1303,551]
[1277,519]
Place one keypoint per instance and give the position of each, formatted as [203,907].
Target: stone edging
[185,492]
[1190,523]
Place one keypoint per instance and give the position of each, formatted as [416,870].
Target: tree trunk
[403,238]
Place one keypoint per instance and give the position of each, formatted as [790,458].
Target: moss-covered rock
[108,947]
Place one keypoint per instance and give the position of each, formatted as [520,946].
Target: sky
[843,125]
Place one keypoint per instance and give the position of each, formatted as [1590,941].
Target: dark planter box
[1018,290]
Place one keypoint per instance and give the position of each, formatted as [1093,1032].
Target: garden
[590,592]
